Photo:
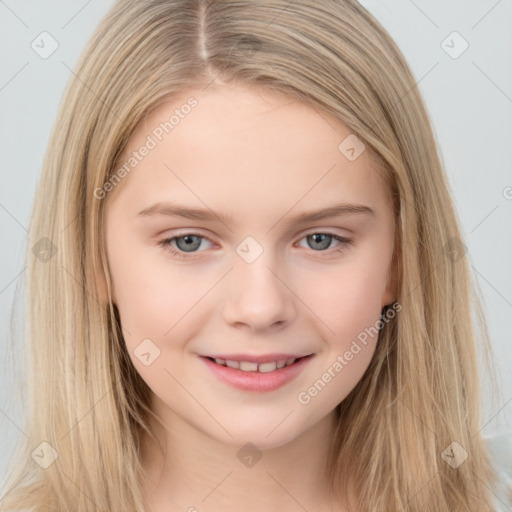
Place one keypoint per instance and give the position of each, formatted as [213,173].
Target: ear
[390,294]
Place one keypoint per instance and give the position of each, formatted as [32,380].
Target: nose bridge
[257,296]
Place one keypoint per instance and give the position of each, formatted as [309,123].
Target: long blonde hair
[421,392]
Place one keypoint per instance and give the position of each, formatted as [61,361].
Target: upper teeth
[248,366]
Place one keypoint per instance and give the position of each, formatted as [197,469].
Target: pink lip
[255,381]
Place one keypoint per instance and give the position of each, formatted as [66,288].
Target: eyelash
[166,243]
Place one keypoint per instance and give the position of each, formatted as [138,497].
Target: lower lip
[256,381]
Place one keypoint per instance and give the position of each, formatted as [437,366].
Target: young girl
[247,283]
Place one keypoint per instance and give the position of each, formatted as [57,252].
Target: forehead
[242,146]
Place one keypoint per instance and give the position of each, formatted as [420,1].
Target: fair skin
[261,159]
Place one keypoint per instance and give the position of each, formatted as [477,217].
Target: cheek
[347,302]
[347,298]
[159,311]
[155,299]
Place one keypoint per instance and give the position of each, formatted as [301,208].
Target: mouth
[252,366]
[256,377]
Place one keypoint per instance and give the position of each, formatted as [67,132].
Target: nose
[258,298]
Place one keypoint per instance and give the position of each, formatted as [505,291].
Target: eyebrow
[176,210]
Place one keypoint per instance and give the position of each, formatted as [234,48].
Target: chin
[261,434]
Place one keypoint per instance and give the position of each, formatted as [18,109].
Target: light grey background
[469,99]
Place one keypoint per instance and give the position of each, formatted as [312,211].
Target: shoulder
[500,450]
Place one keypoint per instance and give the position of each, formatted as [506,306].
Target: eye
[188,243]
[322,240]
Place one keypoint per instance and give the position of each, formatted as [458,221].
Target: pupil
[189,242]
[322,235]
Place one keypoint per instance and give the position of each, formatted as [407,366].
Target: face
[248,278]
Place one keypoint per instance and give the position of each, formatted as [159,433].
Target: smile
[247,366]
[257,377]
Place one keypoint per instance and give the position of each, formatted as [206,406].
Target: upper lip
[263,358]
